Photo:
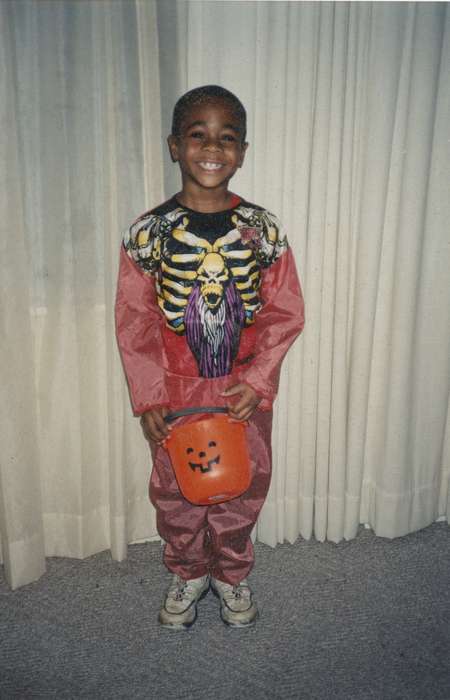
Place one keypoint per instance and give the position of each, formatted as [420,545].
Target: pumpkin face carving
[210,459]
[203,467]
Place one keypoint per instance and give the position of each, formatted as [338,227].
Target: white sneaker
[179,611]
[237,606]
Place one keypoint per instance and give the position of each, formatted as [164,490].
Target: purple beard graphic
[213,336]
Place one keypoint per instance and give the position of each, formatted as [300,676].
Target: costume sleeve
[277,325]
[138,328]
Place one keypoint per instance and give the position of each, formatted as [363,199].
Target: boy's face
[210,147]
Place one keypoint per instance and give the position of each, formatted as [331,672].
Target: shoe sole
[183,626]
[239,625]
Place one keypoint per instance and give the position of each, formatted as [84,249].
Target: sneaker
[237,606]
[179,611]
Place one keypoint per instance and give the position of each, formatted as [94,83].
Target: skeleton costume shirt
[203,296]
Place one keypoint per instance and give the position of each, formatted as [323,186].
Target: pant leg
[181,525]
[230,524]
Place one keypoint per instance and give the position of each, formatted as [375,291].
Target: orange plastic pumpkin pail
[209,457]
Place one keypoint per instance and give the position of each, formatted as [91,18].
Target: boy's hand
[153,424]
[247,403]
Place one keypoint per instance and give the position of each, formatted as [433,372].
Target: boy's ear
[243,152]
[173,147]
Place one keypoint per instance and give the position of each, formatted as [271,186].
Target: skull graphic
[212,274]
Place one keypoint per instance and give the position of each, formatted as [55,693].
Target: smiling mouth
[202,467]
[210,166]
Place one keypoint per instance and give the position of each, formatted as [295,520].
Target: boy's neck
[208,202]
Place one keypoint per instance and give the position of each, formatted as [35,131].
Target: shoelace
[181,591]
[236,592]
[178,592]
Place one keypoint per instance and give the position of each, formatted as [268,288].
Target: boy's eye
[196,134]
[228,137]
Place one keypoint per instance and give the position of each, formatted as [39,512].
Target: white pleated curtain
[83,152]
[349,113]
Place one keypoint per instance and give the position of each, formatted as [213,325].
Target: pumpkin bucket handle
[195,409]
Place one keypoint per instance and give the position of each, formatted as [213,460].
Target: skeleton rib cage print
[207,270]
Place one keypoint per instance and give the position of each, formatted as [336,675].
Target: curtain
[81,143]
[349,114]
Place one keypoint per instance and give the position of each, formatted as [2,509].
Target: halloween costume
[205,301]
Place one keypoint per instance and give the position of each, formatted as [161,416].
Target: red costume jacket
[205,301]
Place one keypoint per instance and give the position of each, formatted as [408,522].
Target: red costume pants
[212,539]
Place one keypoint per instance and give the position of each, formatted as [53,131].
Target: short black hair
[207,93]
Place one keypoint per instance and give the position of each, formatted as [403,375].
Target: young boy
[208,303]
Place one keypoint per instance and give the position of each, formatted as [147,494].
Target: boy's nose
[212,144]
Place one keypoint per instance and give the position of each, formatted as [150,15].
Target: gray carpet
[363,619]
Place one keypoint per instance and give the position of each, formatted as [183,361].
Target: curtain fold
[349,112]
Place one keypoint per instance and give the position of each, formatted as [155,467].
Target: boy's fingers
[234,389]
[160,423]
[245,405]
[240,406]
[239,417]
[246,392]
[148,427]
[165,427]
[154,426]
[242,410]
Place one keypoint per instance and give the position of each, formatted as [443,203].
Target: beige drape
[83,155]
[349,114]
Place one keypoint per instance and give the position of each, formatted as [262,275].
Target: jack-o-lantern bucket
[209,456]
